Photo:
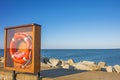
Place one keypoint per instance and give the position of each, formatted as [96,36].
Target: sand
[64,74]
[48,73]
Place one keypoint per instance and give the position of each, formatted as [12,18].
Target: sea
[110,56]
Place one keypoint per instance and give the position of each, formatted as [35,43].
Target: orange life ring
[22,57]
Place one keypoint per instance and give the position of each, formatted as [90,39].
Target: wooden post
[13,75]
[38,75]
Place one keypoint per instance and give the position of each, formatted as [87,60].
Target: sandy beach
[64,74]
[49,73]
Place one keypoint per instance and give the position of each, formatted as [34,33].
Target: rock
[63,63]
[44,65]
[66,66]
[88,63]
[109,69]
[81,66]
[54,62]
[70,62]
[117,68]
[102,64]
[94,68]
[103,69]
[44,59]
[2,59]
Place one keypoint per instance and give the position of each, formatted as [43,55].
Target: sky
[66,24]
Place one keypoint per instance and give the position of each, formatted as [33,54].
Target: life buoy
[21,57]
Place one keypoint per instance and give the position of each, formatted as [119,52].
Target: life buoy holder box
[22,48]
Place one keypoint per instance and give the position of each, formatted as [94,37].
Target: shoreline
[48,73]
[56,73]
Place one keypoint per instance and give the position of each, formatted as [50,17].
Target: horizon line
[80,48]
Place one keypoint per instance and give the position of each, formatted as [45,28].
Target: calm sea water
[110,56]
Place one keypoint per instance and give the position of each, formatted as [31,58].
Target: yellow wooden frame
[36,49]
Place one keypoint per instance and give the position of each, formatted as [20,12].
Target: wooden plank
[5,45]
[37,48]
[33,48]
[26,25]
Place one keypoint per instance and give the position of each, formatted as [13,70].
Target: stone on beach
[44,64]
[102,64]
[62,63]
[109,69]
[66,66]
[44,59]
[70,64]
[54,62]
[80,66]
[117,68]
[86,65]
[70,61]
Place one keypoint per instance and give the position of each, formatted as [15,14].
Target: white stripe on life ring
[28,36]
[13,39]
[25,39]
[12,56]
[24,59]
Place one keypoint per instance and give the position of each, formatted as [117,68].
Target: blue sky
[69,24]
